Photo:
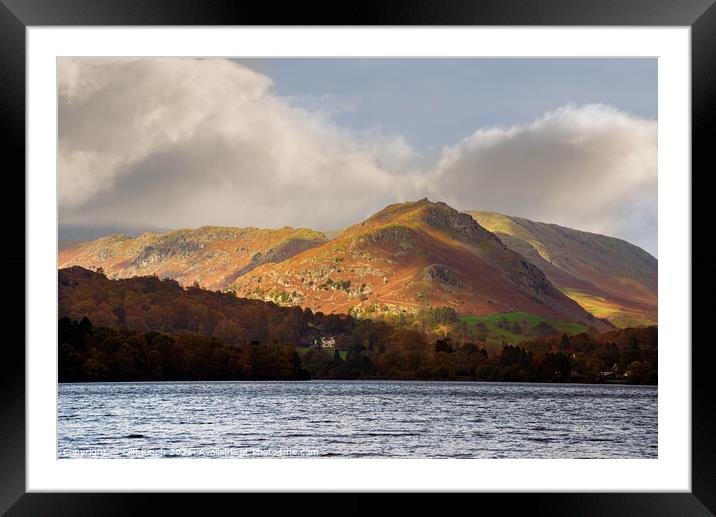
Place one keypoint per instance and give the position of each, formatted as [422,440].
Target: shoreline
[305,381]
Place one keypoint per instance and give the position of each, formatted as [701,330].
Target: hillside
[406,257]
[409,256]
[609,277]
[150,304]
[147,329]
[212,256]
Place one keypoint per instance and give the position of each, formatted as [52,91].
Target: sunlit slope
[212,256]
[407,257]
[607,276]
[410,256]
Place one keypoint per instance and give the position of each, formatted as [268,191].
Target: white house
[328,342]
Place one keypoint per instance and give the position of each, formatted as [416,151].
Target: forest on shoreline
[147,329]
[95,354]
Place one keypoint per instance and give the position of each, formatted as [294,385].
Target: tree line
[147,329]
[89,353]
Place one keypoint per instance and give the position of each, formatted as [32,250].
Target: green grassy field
[527,322]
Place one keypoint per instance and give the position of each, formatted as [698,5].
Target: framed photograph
[416,250]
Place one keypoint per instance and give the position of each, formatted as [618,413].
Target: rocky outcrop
[443,274]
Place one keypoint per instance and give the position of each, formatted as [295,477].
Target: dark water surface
[357,419]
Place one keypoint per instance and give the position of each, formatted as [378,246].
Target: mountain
[411,256]
[212,256]
[407,257]
[607,276]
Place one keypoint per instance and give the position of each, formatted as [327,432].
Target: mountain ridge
[208,255]
[409,256]
[403,258]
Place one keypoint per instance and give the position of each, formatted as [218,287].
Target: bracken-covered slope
[212,256]
[409,256]
[607,276]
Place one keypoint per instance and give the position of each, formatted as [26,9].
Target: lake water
[356,419]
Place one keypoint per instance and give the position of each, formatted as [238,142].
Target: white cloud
[591,167]
[184,142]
[187,142]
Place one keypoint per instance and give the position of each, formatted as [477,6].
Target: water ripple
[357,419]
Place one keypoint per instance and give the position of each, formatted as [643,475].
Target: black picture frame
[700,15]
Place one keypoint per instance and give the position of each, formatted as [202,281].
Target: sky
[324,143]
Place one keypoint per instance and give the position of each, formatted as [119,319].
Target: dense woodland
[147,329]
